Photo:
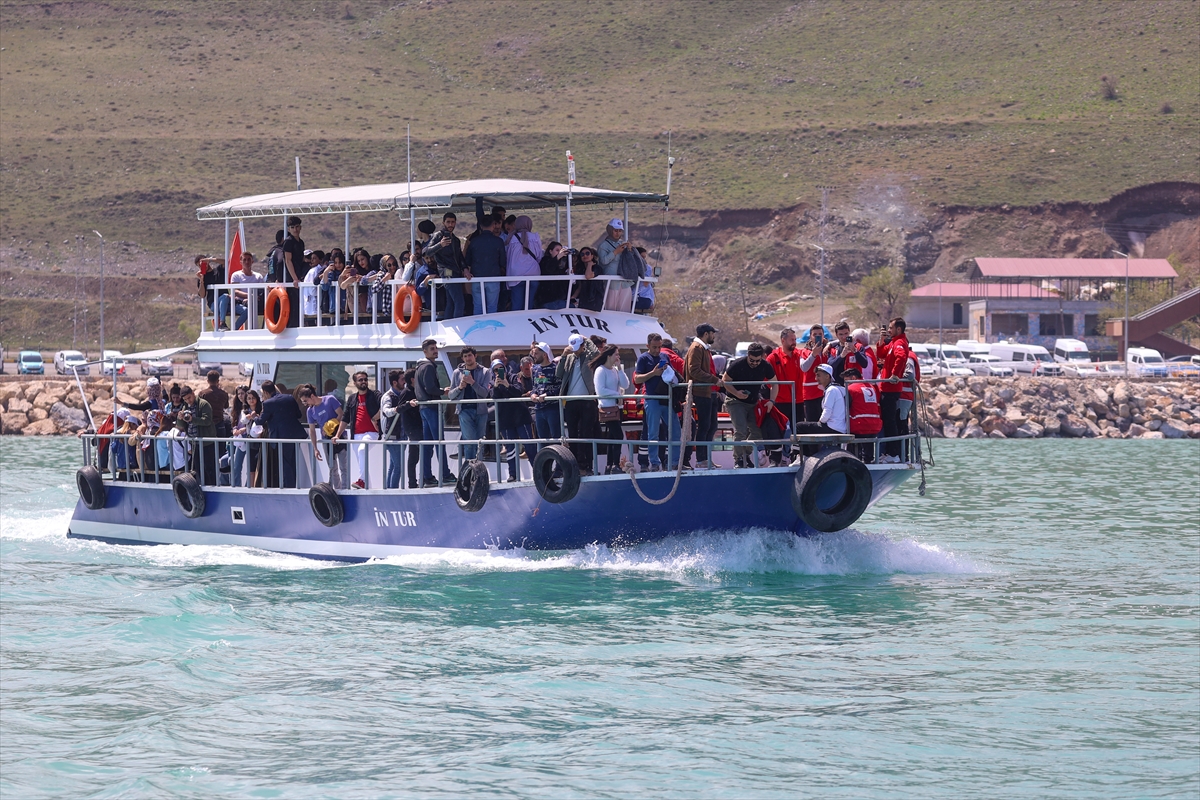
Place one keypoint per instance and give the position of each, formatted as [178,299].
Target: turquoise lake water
[1030,628]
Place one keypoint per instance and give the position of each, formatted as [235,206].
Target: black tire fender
[831,491]
[472,486]
[91,487]
[556,474]
[326,505]
[189,495]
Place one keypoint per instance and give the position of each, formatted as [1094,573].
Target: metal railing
[241,305]
[294,463]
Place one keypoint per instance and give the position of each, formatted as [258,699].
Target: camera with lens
[186,415]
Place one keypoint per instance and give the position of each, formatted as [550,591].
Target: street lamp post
[821,282]
[939,280]
[1125,323]
[101,298]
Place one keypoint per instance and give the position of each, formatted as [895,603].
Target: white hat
[497,363]
[545,348]
[617,224]
[152,381]
[575,342]
[122,414]
[828,370]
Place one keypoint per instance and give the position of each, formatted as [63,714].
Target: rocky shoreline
[958,408]
[52,406]
[1034,408]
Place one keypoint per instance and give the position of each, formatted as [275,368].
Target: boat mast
[570,255]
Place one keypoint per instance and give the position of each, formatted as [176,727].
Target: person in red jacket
[891,370]
[785,360]
[811,357]
[865,420]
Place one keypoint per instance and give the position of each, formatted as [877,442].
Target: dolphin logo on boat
[483,325]
[640,323]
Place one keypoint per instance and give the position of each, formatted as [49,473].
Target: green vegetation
[129,117]
[882,295]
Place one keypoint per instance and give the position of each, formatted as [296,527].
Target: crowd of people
[326,285]
[846,385]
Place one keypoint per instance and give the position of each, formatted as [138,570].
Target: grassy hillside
[126,117]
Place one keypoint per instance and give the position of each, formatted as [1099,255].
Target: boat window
[328,378]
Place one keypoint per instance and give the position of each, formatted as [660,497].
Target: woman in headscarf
[524,251]
[553,294]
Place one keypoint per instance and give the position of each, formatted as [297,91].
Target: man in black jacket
[446,250]
[281,417]
[428,389]
[361,415]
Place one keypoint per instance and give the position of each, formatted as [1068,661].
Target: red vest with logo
[864,409]
[809,388]
[871,371]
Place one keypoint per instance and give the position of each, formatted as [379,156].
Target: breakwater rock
[1032,408]
[53,406]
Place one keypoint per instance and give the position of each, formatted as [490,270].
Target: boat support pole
[346,249]
[227,248]
[570,255]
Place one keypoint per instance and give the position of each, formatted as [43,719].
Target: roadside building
[1038,300]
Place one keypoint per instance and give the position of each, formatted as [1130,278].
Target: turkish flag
[235,252]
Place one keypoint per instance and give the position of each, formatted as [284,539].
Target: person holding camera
[471,381]
[446,250]
[198,415]
[811,357]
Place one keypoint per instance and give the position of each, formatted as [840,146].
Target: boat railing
[241,306]
[297,463]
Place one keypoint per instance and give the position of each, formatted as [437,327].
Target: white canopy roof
[426,195]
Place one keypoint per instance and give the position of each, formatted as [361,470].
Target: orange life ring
[410,323]
[278,310]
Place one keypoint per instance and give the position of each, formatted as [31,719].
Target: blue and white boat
[550,507]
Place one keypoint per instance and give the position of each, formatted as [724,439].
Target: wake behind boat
[554,497]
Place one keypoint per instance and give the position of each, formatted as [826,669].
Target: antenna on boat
[297,173]
[570,186]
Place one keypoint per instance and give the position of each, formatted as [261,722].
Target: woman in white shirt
[611,381]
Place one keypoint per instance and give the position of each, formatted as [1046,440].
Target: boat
[550,507]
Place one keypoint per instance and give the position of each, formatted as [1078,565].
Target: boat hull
[378,524]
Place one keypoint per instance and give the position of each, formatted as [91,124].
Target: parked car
[949,368]
[29,362]
[158,367]
[1,359]
[204,367]
[246,368]
[992,366]
[1146,362]
[67,361]
[1032,359]
[1184,367]
[1081,369]
[112,361]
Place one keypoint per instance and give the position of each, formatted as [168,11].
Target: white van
[1029,359]
[1067,350]
[924,354]
[970,347]
[948,353]
[1146,362]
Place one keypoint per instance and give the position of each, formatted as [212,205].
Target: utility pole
[745,312]
[1125,323]
[939,280]
[821,239]
[75,317]
[101,300]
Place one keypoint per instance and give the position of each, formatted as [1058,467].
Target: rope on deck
[631,465]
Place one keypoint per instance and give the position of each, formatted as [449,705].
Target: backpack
[275,265]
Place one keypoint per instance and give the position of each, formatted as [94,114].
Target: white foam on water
[714,553]
[49,526]
[707,554]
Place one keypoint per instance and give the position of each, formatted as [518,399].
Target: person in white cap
[578,380]
[834,411]
[546,385]
[620,293]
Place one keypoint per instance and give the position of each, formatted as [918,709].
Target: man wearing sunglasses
[744,378]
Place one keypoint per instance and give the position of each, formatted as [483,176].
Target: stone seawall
[1032,408]
[52,406]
